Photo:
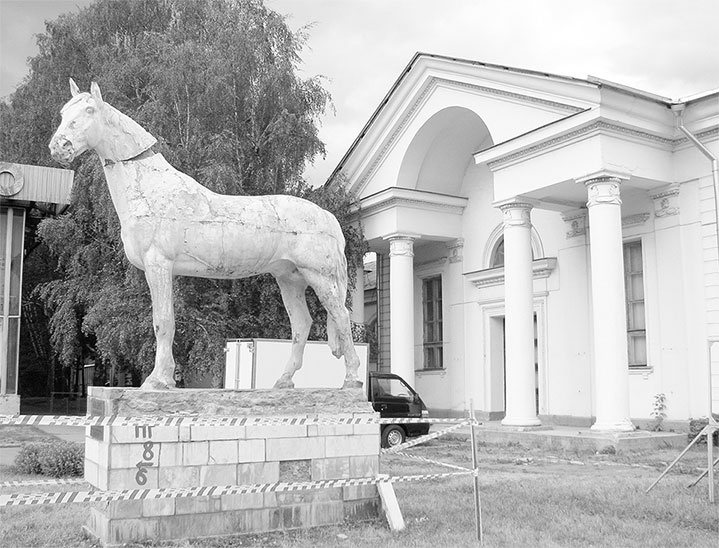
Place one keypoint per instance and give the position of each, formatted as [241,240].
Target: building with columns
[546,246]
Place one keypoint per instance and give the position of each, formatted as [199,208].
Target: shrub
[55,458]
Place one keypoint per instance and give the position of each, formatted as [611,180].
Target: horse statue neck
[122,138]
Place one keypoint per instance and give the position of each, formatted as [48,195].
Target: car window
[383,387]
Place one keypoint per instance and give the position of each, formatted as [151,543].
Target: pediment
[509,102]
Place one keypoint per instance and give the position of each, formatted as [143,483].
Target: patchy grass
[20,434]
[529,498]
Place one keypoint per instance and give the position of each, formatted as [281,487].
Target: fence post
[477,499]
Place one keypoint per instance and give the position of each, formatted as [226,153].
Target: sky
[670,48]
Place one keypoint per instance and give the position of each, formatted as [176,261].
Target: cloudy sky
[667,47]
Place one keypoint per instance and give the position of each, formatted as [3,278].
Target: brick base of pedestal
[137,457]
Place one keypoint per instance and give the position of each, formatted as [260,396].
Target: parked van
[392,397]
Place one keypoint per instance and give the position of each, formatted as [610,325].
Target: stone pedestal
[9,404]
[194,455]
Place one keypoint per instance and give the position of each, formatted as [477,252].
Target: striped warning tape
[431,461]
[28,483]
[31,499]
[59,420]
[422,439]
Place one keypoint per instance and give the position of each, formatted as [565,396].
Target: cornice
[414,199]
[598,125]
[541,268]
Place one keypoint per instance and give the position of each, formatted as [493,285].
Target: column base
[519,421]
[10,404]
[622,425]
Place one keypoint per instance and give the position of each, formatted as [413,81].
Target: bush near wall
[52,458]
[696,426]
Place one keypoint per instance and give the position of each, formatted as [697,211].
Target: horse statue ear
[95,92]
[73,88]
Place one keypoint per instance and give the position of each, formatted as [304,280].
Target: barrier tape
[189,420]
[27,483]
[32,499]
[421,439]
[430,461]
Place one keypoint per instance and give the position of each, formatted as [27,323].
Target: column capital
[401,244]
[603,175]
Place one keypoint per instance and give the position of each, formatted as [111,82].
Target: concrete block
[208,433]
[127,455]
[362,429]
[129,478]
[198,505]
[196,525]
[103,478]
[331,468]
[309,497]
[276,431]
[344,446]
[295,448]
[223,452]
[253,473]
[123,531]
[364,466]
[158,507]
[98,523]
[334,429]
[96,451]
[92,473]
[195,452]
[179,476]
[141,433]
[218,474]
[121,509]
[185,433]
[242,502]
[252,451]
[326,514]
[390,506]
[170,454]
[359,492]
[360,510]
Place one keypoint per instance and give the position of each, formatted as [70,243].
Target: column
[611,375]
[520,383]
[401,305]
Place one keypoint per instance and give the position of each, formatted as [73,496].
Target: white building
[546,246]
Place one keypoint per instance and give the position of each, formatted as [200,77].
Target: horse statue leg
[292,287]
[339,329]
[158,272]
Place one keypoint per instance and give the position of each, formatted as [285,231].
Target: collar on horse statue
[144,154]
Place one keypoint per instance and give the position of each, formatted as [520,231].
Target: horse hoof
[352,383]
[284,384]
[152,383]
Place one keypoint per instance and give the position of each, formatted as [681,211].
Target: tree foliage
[215,81]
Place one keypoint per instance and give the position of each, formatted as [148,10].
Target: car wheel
[392,435]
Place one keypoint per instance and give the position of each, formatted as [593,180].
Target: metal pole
[699,435]
[710,459]
[477,499]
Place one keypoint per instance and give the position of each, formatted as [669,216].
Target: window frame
[635,332]
[433,330]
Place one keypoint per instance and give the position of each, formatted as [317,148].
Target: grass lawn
[18,435]
[530,498]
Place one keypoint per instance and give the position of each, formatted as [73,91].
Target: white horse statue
[172,225]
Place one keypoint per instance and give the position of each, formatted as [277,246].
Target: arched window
[497,258]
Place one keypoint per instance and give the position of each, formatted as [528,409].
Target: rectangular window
[636,321]
[432,322]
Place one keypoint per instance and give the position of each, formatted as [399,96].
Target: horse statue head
[88,123]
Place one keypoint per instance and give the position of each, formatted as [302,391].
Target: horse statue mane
[171,225]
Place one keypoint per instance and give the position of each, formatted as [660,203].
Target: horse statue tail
[340,275]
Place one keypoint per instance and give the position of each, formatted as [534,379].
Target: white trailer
[258,363]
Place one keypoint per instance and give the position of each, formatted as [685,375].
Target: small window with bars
[636,317]
[432,322]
